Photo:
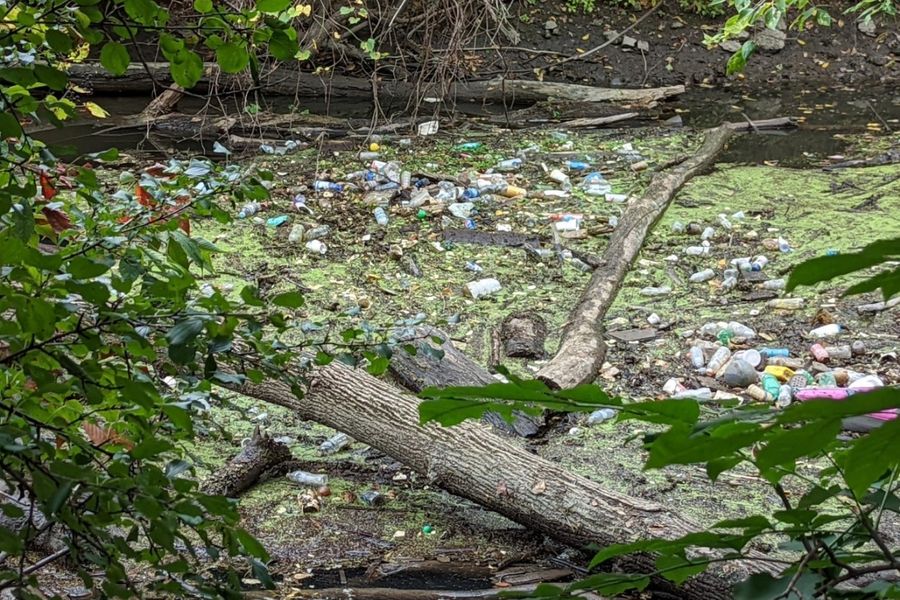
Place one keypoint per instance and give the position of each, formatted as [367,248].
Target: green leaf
[872,456]
[142,11]
[232,57]
[82,267]
[738,60]
[611,584]
[888,283]
[114,58]
[272,6]
[203,6]
[150,448]
[677,568]
[54,78]
[378,365]
[763,586]
[453,411]
[282,45]
[288,300]
[825,268]
[788,445]
[250,296]
[58,41]
[859,404]
[185,331]
[250,544]
[186,68]
[664,411]
[9,126]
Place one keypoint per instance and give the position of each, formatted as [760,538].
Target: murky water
[825,115]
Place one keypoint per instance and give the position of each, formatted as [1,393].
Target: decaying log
[491,238]
[582,349]
[598,121]
[425,369]
[163,104]
[524,335]
[288,81]
[471,462]
[260,454]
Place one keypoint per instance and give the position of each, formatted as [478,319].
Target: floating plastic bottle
[759,263]
[483,287]
[696,250]
[784,245]
[468,146]
[771,385]
[708,233]
[825,331]
[598,416]
[249,209]
[335,444]
[785,396]
[474,267]
[698,360]
[819,353]
[510,164]
[296,234]
[381,216]
[308,479]
[577,165]
[786,303]
[678,227]
[842,352]
[701,276]
[718,359]
[774,284]
[703,393]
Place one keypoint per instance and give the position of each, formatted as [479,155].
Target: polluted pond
[468,232]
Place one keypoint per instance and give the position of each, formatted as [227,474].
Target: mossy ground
[815,210]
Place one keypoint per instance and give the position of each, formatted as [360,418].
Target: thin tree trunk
[471,462]
[260,454]
[582,349]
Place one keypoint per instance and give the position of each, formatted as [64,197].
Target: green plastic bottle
[770,384]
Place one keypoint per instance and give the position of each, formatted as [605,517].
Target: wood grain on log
[260,454]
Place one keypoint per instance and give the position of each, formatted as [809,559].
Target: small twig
[750,122]
[877,116]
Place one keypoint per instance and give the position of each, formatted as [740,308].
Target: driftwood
[582,348]
[425,369]
[598,121]
[524,335]
[471,462]
[287,81]
[260,454]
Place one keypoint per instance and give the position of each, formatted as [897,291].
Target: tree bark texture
[290,82]
[471,462]
[582,348]
[260,454]
[524,335]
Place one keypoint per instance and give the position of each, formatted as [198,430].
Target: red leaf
[98,435]
[185,226]
[143,197]
[57,219]
[47,189]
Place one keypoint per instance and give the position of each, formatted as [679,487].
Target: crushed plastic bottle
[784,245]
[296,234]
[678,227]
[741,330]
[759,263]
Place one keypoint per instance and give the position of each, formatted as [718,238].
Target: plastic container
[780,373]
[308,479]
[474,267]
[316,246]
[468,146]
[758,393]
[771,385]
[696,250]
[703,393]
[701,276]
[594,184]
[785,303]
[483,287]
[296,234]
[708,233]
[773,352]
[785,396]
[577,165]
[774,284]
[381,216]
[335,444]
[510,164]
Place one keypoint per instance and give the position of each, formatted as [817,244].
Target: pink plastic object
[842,394]
[819,353]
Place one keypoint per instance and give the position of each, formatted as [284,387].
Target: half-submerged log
[260,454]
[582,349]
[471,462]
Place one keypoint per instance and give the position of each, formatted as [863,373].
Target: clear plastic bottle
[598,416]
[594,184]
[334,444]
[656,291]
[696,250]
[701,276]
[249,209]
[774,284]
[327,186]
[718,359]
[825,331]
[698,360]
[510,164]
[308,479]
[708,233]
[381,216]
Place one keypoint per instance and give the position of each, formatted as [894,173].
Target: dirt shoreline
[840,55]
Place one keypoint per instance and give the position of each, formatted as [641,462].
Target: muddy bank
[841,55]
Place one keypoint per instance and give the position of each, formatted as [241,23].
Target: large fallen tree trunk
[581,350]
[287,81]
[471,462]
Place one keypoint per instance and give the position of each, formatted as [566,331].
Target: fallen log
[426,369]
[582,349]
[260,454]
[597,121]
[363,593]
[287,81]
[471,462]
